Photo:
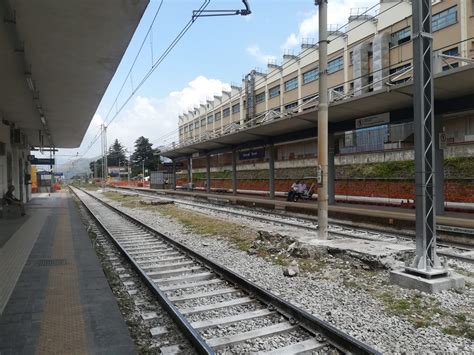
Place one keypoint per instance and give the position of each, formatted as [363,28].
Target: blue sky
[215,52]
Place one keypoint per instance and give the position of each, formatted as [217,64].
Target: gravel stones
[340,294]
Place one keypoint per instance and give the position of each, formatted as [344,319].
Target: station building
[267,127]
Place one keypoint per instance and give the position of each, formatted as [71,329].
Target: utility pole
[104,155]
[323,122]
[143,171]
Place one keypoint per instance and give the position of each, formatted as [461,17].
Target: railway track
[450,250]
[215,308]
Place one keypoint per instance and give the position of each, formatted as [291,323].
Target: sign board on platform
[252,154]
[375,120]
[42,161]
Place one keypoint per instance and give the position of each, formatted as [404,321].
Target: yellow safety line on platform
[62,326]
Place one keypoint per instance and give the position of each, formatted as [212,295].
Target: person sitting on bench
[300,191]
[10,199]
[293,190]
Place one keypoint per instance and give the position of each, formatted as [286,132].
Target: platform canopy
[448,85]
[57,59]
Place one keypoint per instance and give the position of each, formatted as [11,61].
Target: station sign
[375,120]
[252,154]
[42,161]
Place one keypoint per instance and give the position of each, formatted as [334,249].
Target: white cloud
[257,53]
[338,14]
[151,117]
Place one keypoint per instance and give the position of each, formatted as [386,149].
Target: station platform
[54,297]
[395,216]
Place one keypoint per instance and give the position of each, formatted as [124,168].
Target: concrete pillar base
[429,285]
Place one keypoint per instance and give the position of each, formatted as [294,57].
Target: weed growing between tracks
[424,310]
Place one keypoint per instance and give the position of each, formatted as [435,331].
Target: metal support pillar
[104,155]
[234,171]
[426,262]
[208,173]
[174,175]
[439,164]
[323,121]
[331,170]
[190,172]
[271,170]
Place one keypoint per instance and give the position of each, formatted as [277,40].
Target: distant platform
[54,297]
[393,216]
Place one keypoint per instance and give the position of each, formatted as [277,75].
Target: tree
[144,153]
[116,155]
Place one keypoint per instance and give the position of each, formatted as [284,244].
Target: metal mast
[323,121]
[104,155]
[426,261]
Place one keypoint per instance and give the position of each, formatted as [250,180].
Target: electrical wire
[160,59]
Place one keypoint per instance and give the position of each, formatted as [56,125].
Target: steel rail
[191,334]
[313,324]
[384,234]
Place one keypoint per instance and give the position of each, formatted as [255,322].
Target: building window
[181,130]
[351,57]
[339,89]
[311,75]
[444,18]
[185,129]
[292,105]
[291,84]
[260,97]
[276,109]
[217,116]
[210,119]
[191,127]
[203,122]
[399,37]
[335,65]
[450,66]
[274,92]
[226,112]
[236,108]
[452,51]
[196,124]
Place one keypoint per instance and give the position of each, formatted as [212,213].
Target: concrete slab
[367,247]
[433,285]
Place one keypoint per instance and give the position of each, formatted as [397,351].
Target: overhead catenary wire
[153,68]
[159,60]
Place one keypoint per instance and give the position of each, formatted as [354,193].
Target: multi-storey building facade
[374,52]
[262,134]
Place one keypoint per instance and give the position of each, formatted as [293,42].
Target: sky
[214,53]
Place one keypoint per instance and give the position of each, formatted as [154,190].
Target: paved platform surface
[54,297]
[455,219]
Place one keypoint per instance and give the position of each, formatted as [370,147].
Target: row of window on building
[440,20]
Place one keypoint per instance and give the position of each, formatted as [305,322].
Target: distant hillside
[78,167]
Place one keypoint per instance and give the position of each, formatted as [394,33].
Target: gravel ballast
[342,298]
